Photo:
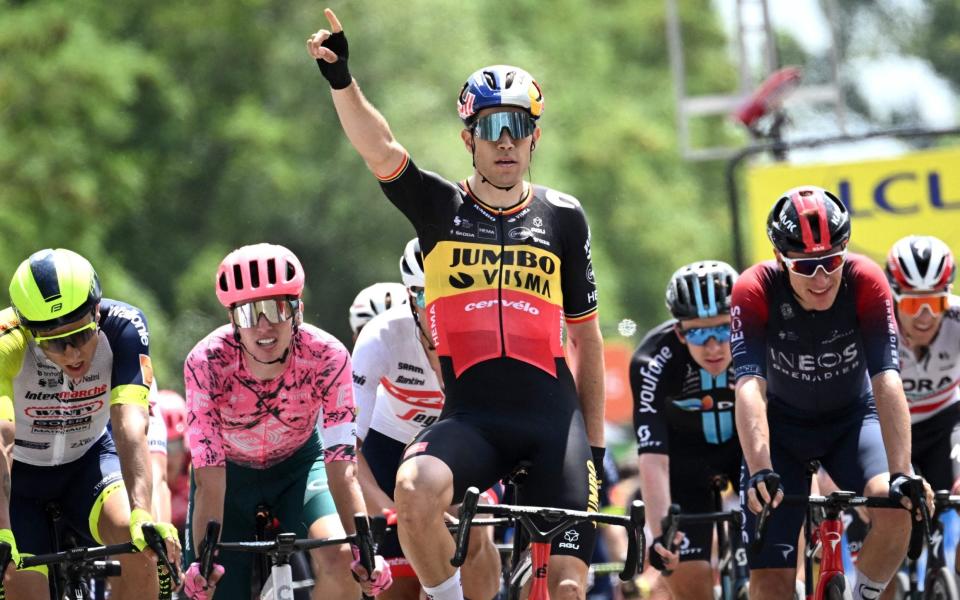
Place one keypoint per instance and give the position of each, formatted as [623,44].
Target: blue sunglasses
[699,336]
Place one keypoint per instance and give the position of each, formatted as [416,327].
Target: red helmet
[920,263]
[258,271]
[808,219]
[173,408]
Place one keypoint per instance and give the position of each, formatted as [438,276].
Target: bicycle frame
[674,521]
[279,551]
[79,561]
[830,530]
[936,561]
[540,540]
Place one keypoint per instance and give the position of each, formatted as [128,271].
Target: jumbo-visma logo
[716,417]
[453,267]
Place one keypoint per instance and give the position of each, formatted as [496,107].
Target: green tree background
[155,137]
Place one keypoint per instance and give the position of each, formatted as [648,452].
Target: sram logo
[520,305]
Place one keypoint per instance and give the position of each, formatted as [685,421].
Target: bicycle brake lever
[669,526]
[468,509]
[772,482]
[636,542]
[156,543]
[207,546]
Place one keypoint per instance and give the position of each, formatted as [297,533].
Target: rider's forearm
[655,488]
[342,479]
[129,424]
[368,131]
[752,427]
[585,348]
[374,497]
[211,488]
[7,431]
[894,419]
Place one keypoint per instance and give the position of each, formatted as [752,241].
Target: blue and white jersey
[678,407]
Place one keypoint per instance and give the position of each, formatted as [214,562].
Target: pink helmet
[173,408]
[258,271]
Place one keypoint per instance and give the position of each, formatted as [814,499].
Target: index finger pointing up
[335,26]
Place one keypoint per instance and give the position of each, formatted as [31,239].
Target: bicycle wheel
[836,589]
[941,585]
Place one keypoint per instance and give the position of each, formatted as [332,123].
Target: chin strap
[416,319]
[283,357]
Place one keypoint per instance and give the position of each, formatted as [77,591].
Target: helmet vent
[491,80]
[254,274]
[237,277]
[271,271]
[291,271]
[510,77]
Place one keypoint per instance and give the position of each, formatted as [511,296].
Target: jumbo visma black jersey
[499,282]
[678,407]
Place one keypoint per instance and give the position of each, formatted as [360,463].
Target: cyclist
[373,300]
[398,391]
[70,362]
[157,443]
[256,389]
[507,264]
[921,270]
[173,409]
[682,381]
[814,346]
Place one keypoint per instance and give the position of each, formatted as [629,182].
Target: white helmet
[373,300]
[411,265]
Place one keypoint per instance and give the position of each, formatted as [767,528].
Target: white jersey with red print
[930,382]
[396,389]
[232,415]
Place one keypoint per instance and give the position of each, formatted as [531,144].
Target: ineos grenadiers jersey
[57,418]
[395,388]
[499,282]
[931,381]
[678,407]
[816,363]
[232,415]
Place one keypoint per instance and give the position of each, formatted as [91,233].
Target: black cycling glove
[899,486]
[756,478]
[336,73]
[656,561]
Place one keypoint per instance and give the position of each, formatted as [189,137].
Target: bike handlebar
[636,543]
[675,520]
[839,501]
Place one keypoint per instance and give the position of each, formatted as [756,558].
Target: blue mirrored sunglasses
[699,336]
[421,298]
[518,125]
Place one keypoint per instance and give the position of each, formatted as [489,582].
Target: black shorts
[691,487]
[933,442]
[504,412]
[80,488]
[850,449]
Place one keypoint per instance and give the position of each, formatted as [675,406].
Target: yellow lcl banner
[918,193]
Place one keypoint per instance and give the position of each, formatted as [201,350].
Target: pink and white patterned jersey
[231,415]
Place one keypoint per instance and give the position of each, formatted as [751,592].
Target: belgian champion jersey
[500,282]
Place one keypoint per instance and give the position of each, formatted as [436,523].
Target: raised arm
[365,127]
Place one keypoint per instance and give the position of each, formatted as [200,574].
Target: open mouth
[267,342]
[820,292]
[74,367]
